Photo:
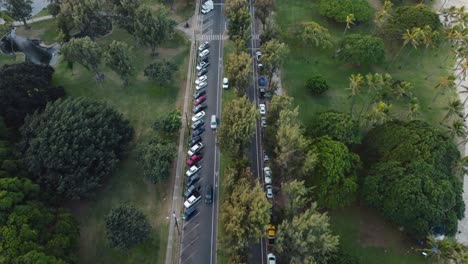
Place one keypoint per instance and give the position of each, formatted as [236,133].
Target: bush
[126,226]
[168,123]
[155,157]
[361,49]
[73,144]
[53,8]
[316,85]
[339,9]
[339,126]
[161,71]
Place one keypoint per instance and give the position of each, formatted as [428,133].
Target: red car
[200,100]
[194,159]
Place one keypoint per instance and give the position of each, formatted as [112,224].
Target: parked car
[199,100]
[202,65]
[269,191]
[192,170]
[209,194]
[263,121]
[189,213]
[205,59]
[197,148]
[192,180]
[225,83]
[192,200]
[194,141]
[200,79]
[262,92]
[198,116]
[271,258]
[262,109]
[198,132]
[265,157]
[191,189]
[197,124]
[267,179]
[202,72]
[261,81]
[204,53]
[200,86]
[194,159]
[199,93]
[258,54]
[198,108]
[204,46]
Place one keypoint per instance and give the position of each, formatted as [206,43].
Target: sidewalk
[30,21]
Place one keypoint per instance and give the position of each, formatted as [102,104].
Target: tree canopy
[238,71]
[316,85]
[161,71]
[339,126]
[126,226]
[361,49]
[339,9]
[73,144]
[118,59]
[20,10]
[25,88]
[155,158]
[86,52]
[335,173]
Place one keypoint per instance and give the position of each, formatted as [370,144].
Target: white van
[213,123]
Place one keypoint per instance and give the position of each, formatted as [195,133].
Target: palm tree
[412,37]
[456,130]
[460,167]
[380,113]
[383,14]
[349,21]
[460,251]
[413,108]
[445,84]
[462,69]
[454,109]
[401,89]
[355,83]
[438,250]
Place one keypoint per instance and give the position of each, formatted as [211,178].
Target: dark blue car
[261,81]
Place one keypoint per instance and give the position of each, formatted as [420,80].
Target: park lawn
[44,30]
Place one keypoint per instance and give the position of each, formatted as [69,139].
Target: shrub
[168,123]
[339,126]
[339,9]
[155,157]
[316,85]
[361,49]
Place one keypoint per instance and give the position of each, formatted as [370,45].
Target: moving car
[262,109]
[198,116]
[198,131]
[269,190]
[209,194]
[200,79]
[263,121]
[194,159]
[199,100]
[202,72]
[197,148]
[225,83]
[204,46]
[204,53]
[199,93]
[192,180]
[202,65]
[194,141]
[271,258]
[190,190]
[201,86]
[192,170]
[198,108]
[192,200]
[198,124]
[189,213]
[213,123]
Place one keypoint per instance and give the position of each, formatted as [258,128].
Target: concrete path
[462,235]
[30,21]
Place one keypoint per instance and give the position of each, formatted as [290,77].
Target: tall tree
[297,196]
[73,144]
[238,16]
[307,238]
[263,9]
[339,126]
[153,30]
[445,84]
[313,34]
[276,105]
[238,126]
[454,109]
[379,114]
[382,15]
[161,71]
[125,14]
[349,21]
[86,52]
[117,58]
[355,83]
[238,71]
[155,158]
[20,10]
[273,54]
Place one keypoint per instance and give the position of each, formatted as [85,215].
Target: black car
[199,93]
[198,108]
[209,194]
[262,93]
[198,132]
[192,180]
[205,59]
[189,212]
[194,141]
[202,72]
[198,124]
[191,189]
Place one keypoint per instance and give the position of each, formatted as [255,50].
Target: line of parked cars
[196,148]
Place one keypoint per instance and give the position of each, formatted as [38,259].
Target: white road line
[191,218]
[194,228]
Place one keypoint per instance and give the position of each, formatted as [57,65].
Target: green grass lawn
[44,30]
[376,241]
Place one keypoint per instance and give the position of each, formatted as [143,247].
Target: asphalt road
[198,243]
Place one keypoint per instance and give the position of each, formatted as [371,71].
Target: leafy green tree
[161,71]
[339,126]
[25,88]
[361,49]
[125,14]
[238,17]
[238,71]
[407,17]
[20,10]
[152,29]
[313,34]
[169,123]
[155,158]
[274,53]
[34,257]
[126,226]
[339,9]
[71,146]
[86,52]
[238,126]
[53,9]
[276,105]
[316,84]
[335,173]
[117,58]
[416,196]
[297,196]
[307,238]
[263,9]
[244,216]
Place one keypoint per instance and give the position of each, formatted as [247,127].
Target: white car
[267,171]
[198,116]
[258,54]
[206,11]
[201,86]
[225,83]
[262,109]
[203,46]
[269,190]
[267,179]
[192,170]
[197,148]
[192,200]
[202,65]
[204,53]
[271,258]
[200,79]
[263,121]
